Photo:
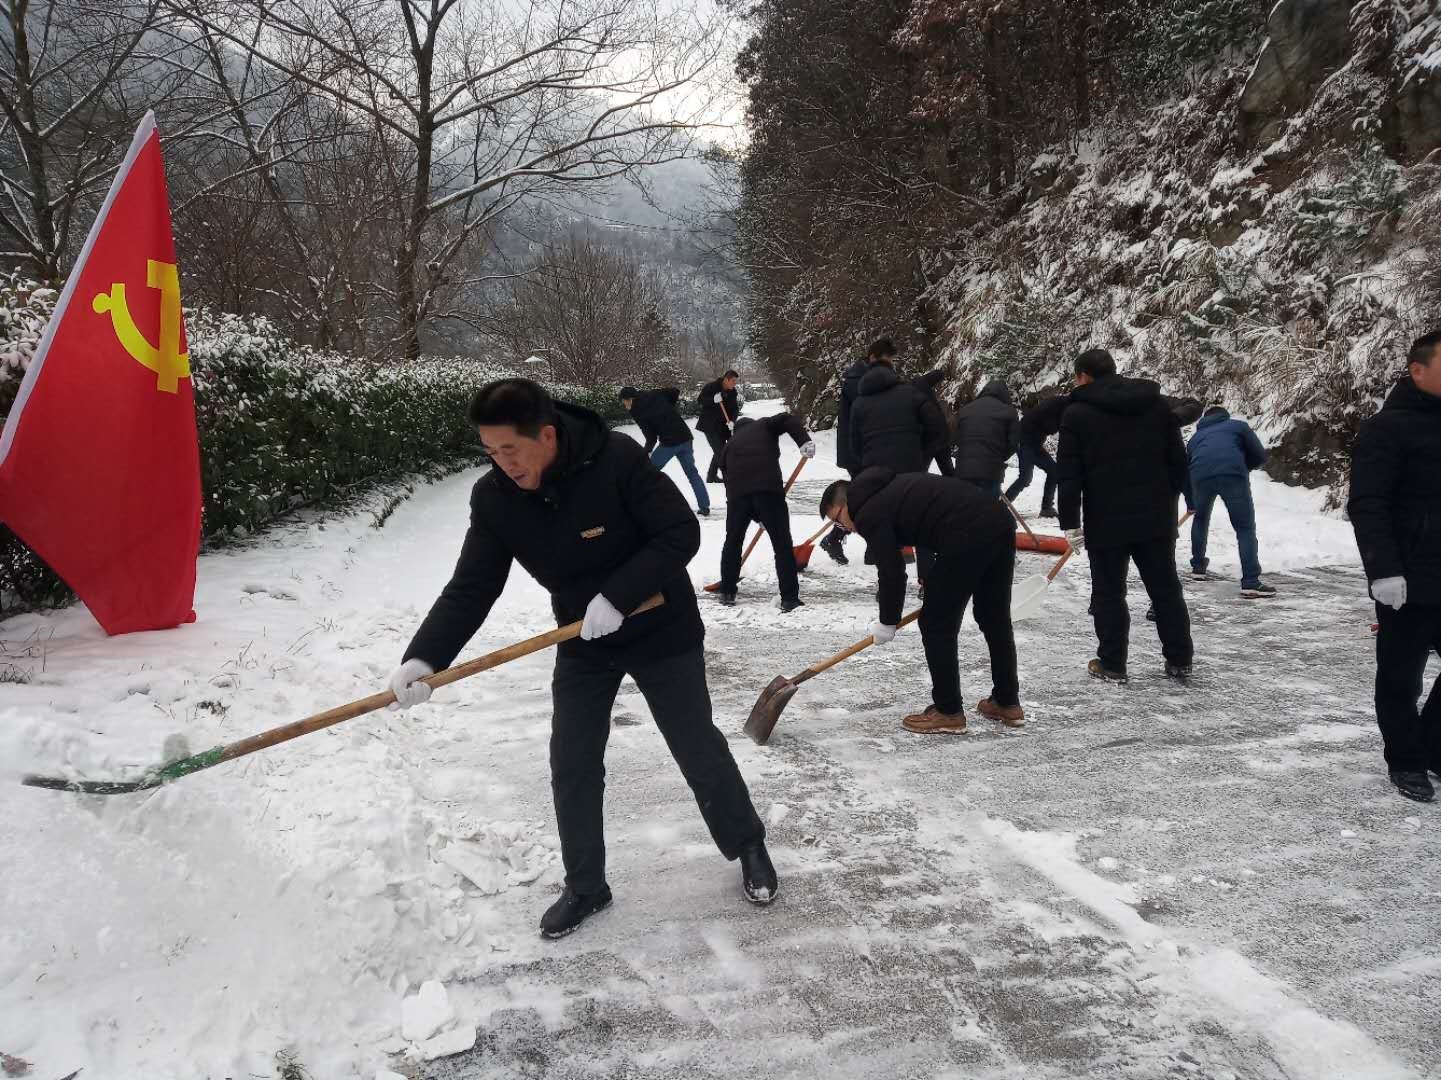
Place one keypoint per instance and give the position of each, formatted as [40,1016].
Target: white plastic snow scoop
[1029,597]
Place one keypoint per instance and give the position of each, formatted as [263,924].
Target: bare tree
[592,313]
[479,105]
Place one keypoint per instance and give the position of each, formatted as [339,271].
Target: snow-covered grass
[1067,900]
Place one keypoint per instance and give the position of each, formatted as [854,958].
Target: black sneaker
[834,545]
[1049,512]
[1099,670]
[758,876]
[566,914]
[1151,613]
[703,513]
[728,599]
[788,606]
[1201,575]
[1414,785]
[1180,672]
[1257,592]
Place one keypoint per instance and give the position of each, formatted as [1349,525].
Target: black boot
[727,599]
[1414,785]
[572,909]
[758,876]
[1049,512]
[834,545]
[787,606]
[1180,672]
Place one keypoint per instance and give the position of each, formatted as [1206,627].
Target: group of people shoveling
[584,511]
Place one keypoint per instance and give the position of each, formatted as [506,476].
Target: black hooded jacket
[942,513]
[655,413]
[846,456]
[892,424]
[603,521]
[934,421]
[751,460]
[1395,503]
[1040,423]
[711,416]
[988,432]
[1121,452]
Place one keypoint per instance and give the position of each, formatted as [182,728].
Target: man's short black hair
[881,347]
[731,374]
[629,393]
[1097,363]
[1212,410]
[834,496]
[1423,349]
[517,403]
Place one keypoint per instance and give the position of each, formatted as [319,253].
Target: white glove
[601,618]
[883,633]
[405,684]
[1390,591]
[1076,538]
[809,449]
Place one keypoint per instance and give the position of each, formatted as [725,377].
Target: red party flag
[99,459]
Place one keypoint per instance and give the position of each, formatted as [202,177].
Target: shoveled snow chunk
[456,1041]
[426,1013]
[777,814]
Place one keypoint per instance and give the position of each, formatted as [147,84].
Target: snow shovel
[774,698]
[756,539]
[1035,544]
[154,778]
[807,547]
[1030,595]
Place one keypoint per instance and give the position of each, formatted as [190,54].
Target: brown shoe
[1010,715]
[935,722]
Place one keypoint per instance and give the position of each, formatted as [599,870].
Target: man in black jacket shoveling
[598,527]
[973,540]
[846,456]
[988,432]
[1121,454]
[719,407]
[754,492]
[1395,508]
[1038,424]
[660,421]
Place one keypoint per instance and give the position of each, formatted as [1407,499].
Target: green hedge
[283,426]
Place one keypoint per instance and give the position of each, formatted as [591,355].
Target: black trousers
[769,510]
[1156,562]
[1406,641]
[583,692]
[952,582]
[1030,458]
[717,439]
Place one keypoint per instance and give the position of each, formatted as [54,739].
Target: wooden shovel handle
[441,678]
[845,654]
[1017,515]
[808,541]
[1187,516]
[756,539]
[1061,562]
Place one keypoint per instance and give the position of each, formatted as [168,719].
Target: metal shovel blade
[1029,597]
[766,712]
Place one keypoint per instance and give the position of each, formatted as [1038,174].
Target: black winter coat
[711,418]
[655,413]
[751,460]
[1121,451]
[935,420]
[892,425]
[604,521]
[988,432]
[846,456]
[1395,503]
[1040,423]
[942,513]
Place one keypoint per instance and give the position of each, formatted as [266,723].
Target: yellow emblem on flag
[165,359]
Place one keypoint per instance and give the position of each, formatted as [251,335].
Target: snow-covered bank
[295,901]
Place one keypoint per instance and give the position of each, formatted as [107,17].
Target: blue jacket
[1223,447]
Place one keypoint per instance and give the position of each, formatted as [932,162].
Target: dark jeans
[1406,641]
[685,454]
[1235,492]
[717,440]
[583,690]
[769,510]
[952,582]
[1029,460]
[1156,562]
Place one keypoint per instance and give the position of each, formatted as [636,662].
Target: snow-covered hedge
[281,425]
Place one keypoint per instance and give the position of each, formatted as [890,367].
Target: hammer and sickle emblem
[165,359]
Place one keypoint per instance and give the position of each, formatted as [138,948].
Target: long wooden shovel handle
[808,541]
[845,654]
[1061,562]
[1017,515]
[756,539]
[441,678]
[1187,516]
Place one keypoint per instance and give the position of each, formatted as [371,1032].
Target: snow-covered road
[1145,882]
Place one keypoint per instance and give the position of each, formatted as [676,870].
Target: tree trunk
[44,247]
